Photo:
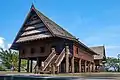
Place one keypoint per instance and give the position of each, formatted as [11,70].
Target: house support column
[80,65]
[31,66]
[93,67]
[96,69]
[88,66]
[53,69]
[28,65]
[85,66]
[72,64]
[58,69]
[37,66]
[19,65]
[67,59]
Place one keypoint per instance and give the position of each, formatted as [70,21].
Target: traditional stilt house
[99,59]
[54,49]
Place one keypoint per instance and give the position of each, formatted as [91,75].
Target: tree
[118,62]
[112,62]
[9,59]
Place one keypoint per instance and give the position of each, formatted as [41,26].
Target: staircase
[53,59]
[60,58]
[49,59]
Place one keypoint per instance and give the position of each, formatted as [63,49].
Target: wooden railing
[49,59]
[60,57]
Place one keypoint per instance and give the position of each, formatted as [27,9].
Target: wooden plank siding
[58,43]
[79,53]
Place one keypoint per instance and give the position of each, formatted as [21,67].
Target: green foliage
[2,68]
[112,62]
[10,59]
[23,64]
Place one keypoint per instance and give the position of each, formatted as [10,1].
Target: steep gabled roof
[38,26]
[30,32]
[100,50]
[55,28]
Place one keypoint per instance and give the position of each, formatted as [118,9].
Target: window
[32,50]
[53,47]
[23,51]
[42,49]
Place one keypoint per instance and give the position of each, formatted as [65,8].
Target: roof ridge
[58,26]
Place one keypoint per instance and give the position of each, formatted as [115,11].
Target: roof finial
[32,6]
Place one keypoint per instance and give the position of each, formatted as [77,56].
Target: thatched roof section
[37,26]
[100,50]
[55,28]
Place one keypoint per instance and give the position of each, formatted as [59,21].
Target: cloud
[2,44]
[9,45]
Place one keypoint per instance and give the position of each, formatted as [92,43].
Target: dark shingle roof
[52,30]
[55,28]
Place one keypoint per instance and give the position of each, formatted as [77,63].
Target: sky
[94,22]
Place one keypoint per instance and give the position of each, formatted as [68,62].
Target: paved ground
[89,76]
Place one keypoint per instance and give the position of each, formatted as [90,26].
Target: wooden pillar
[96,68]
[37,65]
[80,65]
[27,65]
[31,66]
[93,67]
[53,69]
[58,69]
[72,64]
[19,65]
[89,66]
[67,59]
[85,66]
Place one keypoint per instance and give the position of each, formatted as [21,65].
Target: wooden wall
[98,62]
[58,43]
[80,53]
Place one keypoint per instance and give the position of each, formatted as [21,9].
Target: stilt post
[58,69]
[72,64]
[85,66]
[80,65]
[67,59]
[28,65]
[19,65]
[31,66]
[93,67]
[53,69]
[89,67]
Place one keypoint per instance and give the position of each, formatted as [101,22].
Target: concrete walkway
[115,76]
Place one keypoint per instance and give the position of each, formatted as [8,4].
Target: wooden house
[100,58]
[54,48]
